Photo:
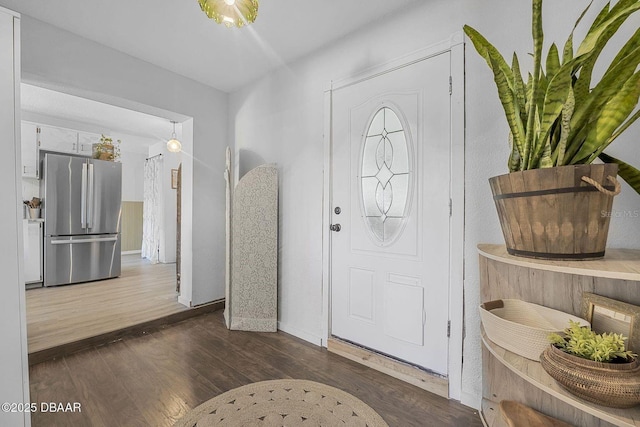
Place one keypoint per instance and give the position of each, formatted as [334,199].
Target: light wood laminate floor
[63,314]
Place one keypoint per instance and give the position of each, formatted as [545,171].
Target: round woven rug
[283,403]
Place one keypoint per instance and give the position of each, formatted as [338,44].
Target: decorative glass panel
[385,175]
[369,196]
[377,125]
[369,161]
[400,156]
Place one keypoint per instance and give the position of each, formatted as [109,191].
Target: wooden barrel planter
[556,213]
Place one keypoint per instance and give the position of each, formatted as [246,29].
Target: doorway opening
[58,123]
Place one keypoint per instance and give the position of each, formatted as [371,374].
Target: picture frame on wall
[174,179]
[610,315]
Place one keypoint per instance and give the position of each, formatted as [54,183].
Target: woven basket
[616,385]
[521,327]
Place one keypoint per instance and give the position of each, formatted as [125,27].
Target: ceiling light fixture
[231,12]
[173,144]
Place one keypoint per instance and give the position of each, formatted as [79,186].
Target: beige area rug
[283,403]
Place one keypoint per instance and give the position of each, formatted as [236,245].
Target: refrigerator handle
[90,202]
[83,197]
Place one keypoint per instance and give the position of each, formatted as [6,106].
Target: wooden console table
[558,285]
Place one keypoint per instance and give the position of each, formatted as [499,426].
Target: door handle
[83,197]
[335,227]
[90,201]
[91,240]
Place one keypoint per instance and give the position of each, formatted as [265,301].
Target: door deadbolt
[335,227]
[337,210]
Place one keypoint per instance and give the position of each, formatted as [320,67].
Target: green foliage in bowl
[583,342]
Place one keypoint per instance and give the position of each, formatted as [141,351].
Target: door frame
[186,137]
[454,45]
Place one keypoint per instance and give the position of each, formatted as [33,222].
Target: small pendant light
[173,144]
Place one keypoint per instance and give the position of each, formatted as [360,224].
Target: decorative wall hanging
[609,315]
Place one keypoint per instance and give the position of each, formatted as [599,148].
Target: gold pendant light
[231,12]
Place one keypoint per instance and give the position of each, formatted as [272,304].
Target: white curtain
[151,209]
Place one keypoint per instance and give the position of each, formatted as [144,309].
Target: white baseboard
[130,252]
[471,400]
[303,335]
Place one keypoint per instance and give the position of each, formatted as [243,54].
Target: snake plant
[559,116]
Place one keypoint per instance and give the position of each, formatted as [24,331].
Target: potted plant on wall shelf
[595,367]
[555,203]
[106,149]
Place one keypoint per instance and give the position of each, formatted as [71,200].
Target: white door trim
[455,45]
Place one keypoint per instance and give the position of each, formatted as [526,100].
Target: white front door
[390,159]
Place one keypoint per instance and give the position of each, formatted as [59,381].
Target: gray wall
[55,57]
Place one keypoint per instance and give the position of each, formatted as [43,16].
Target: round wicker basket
[616,385]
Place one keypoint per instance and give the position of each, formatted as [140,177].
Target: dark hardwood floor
[154,378]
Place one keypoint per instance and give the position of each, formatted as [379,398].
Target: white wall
[279,119]
[14,383]
[132,175]
[134,150]
[58,59]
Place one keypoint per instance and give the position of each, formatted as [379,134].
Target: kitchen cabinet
[58,139]
[41,137]
[86,141]
[32,234]
[62,140]
[29,149]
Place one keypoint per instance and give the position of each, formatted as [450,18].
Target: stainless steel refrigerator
[82,200]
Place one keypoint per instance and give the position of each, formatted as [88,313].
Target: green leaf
[538,39]
[514,157]
[545,160]
[487,51]
[554,99]
[624,127]
[592,106]
[632,44]
[602,16]
[614,113]
[518,87]
[567,112]
[529,90]
[596,40]
[616,17]
[508,101]
[599,36]
[627,172]
[553,60]
[567,53]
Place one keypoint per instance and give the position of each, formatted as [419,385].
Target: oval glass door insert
[385,176]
